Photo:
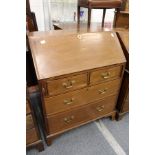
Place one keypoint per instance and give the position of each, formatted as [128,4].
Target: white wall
[98,13]
[37,7]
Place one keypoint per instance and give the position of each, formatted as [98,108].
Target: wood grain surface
[56,55]
[80,97]
[77,116]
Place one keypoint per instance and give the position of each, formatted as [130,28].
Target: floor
[101,137]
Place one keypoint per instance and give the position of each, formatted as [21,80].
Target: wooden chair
[97,4]
[121,18]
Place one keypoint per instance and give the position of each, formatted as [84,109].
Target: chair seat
[101,3]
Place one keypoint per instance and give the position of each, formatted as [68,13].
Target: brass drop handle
[68,119]
[69,101]
[103,91]
[69,84]
[105,75]
[100,108]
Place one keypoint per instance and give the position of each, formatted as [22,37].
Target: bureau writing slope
[79,77]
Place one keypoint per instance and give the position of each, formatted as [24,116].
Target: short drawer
[31,136]
[73,118]
[66,84]
[29,122]
[105,74]
[80,97]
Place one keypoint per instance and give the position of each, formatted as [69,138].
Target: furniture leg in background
[100,4]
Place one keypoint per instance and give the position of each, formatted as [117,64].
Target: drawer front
[27,108]
[103,90]
[80,115]
[29,122]
[31,136]
[105,74]
[66,84]
[66,120]
[103,107]
[65,101]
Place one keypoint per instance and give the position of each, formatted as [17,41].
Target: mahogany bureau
[33,138]
[79,77]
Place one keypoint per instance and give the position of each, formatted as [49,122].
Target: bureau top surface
[56,54]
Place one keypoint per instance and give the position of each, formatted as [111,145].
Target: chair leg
[89,17]
[104,12]
[78,16]
[116,16]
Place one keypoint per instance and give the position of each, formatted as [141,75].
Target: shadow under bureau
[79,77]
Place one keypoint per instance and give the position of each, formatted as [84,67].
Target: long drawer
[80,115]
[66,84]
[80,97]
